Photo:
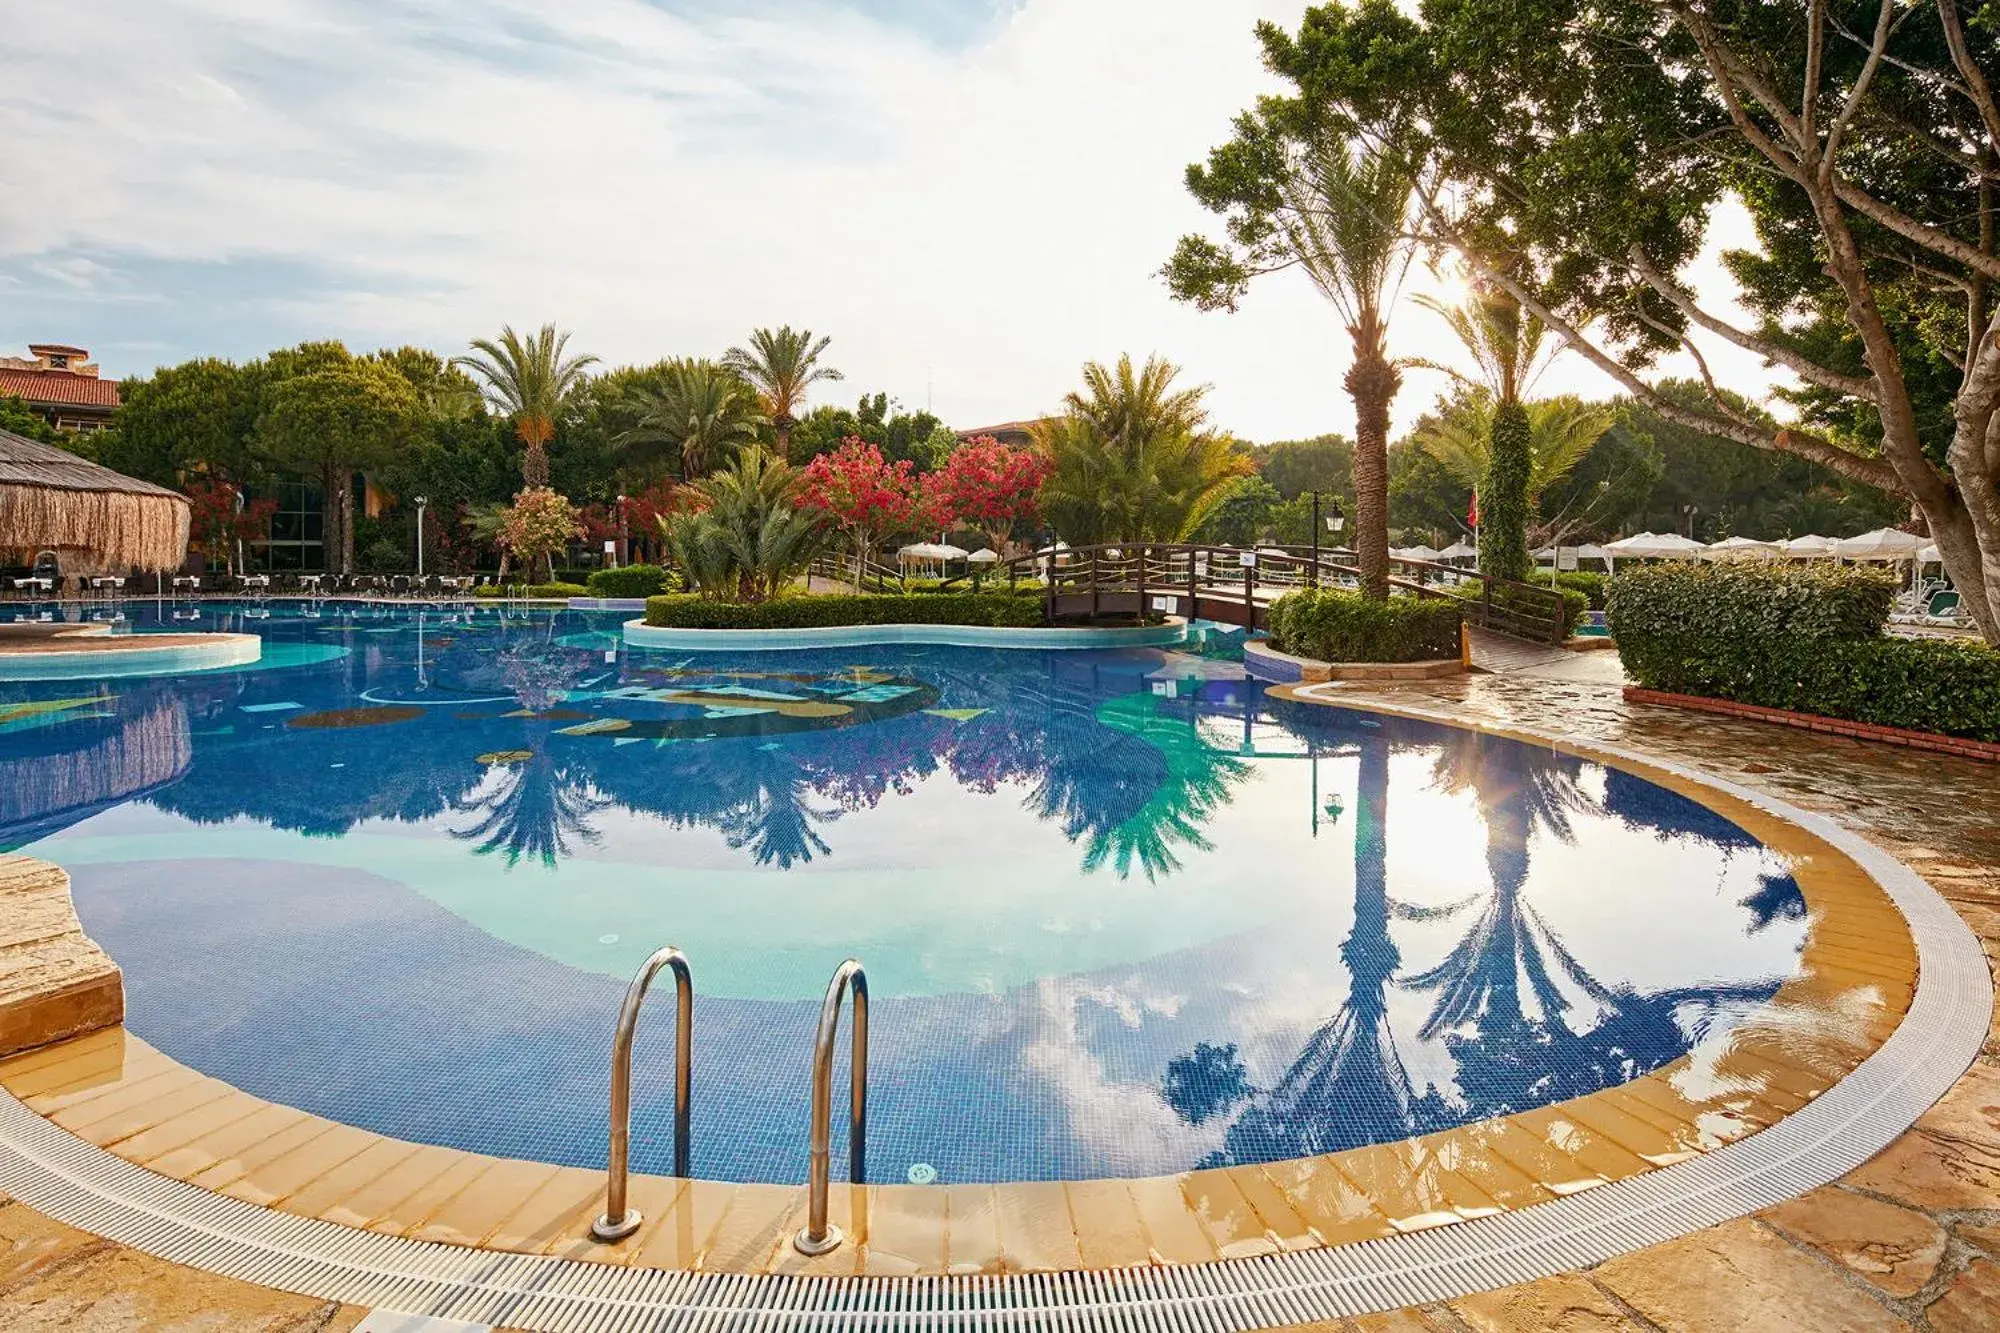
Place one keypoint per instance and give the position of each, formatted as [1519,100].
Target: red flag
[1472,513]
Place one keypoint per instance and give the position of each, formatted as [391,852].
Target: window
[297,540]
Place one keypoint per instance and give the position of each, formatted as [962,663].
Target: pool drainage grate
[51,1170]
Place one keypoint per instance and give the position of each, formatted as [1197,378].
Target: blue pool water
[1122,914]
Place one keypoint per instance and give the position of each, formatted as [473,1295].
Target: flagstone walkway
[1911,1241]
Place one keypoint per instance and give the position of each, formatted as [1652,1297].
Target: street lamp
[422,500]
[624,551]
[1334,523]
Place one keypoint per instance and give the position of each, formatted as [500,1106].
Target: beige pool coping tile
[475,1212]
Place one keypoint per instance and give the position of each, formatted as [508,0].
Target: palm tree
[745,535]
[1561,433]
[698,409]
[1507,344]
[530,380]
[1133,458]
[782,364]
[1344,220]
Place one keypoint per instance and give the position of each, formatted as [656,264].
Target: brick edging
[1865,731]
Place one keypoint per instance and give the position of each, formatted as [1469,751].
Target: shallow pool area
[1123,914]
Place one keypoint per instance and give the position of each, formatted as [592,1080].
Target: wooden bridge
[1234,585]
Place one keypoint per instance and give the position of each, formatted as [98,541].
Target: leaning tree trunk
[1372,381]
[1503,498]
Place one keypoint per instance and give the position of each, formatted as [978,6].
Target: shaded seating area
[65,520]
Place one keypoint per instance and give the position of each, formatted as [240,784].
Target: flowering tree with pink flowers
[987,486]
[864,496]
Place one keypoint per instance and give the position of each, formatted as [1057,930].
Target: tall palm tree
[782,364]
[1344,220]
[1510,348]
[530,380]
[1561,433]
[1133,458]
[698,409]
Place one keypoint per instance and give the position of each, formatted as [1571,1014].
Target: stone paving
[1910,1241]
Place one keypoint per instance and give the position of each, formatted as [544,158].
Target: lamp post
[422,500]
[1334,523]
[624,551]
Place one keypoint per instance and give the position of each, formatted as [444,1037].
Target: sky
[972,197]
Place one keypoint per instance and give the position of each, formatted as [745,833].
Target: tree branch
[1806,369]
[1723,69]
[1976,86]
[1929,237]
[1883,26]
[1815,62]
[1872,471]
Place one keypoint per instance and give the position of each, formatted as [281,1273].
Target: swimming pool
[1122,914]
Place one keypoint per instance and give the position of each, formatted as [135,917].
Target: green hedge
[1594,586]
[819,611]
[542,590]
[1802,639]
[1331,625]
[1820,603]
[631,581]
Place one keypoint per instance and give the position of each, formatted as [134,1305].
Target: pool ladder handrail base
[619,1219]
[820,1236]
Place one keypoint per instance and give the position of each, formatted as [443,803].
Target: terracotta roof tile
[59,388]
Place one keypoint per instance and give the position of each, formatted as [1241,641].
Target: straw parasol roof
[51,500]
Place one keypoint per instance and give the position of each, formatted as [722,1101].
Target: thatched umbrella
[51,500]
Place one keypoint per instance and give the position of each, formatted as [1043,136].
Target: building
[62,384]
[1016,433]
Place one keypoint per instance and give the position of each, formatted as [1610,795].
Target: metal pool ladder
[620,1220]
[820,1235]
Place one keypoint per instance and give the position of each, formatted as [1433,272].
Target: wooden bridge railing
[1235,584]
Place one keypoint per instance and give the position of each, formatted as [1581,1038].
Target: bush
[687,611]
[1592,585]
[1802,639]
[1331,625]
[631,581]
[544,590]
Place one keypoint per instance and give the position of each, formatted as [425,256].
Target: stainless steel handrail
[618,1220]
[820,1235]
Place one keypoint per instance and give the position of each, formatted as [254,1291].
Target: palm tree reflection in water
[1523,1020]
[537,809]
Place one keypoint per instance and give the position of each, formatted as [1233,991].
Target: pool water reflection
[1122,913]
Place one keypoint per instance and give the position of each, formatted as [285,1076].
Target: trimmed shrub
[544,590]
[1593,586]
[631,581]
[1332,625]
[820,611]
[1808,640]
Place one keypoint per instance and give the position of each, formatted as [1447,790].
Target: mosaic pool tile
[1129,934]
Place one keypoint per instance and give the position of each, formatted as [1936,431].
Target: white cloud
[968,221]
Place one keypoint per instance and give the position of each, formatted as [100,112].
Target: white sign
[1566,557]
[610,546]
[1247,559]
[1163,604]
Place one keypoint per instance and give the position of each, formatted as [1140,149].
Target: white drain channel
[61,1175]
